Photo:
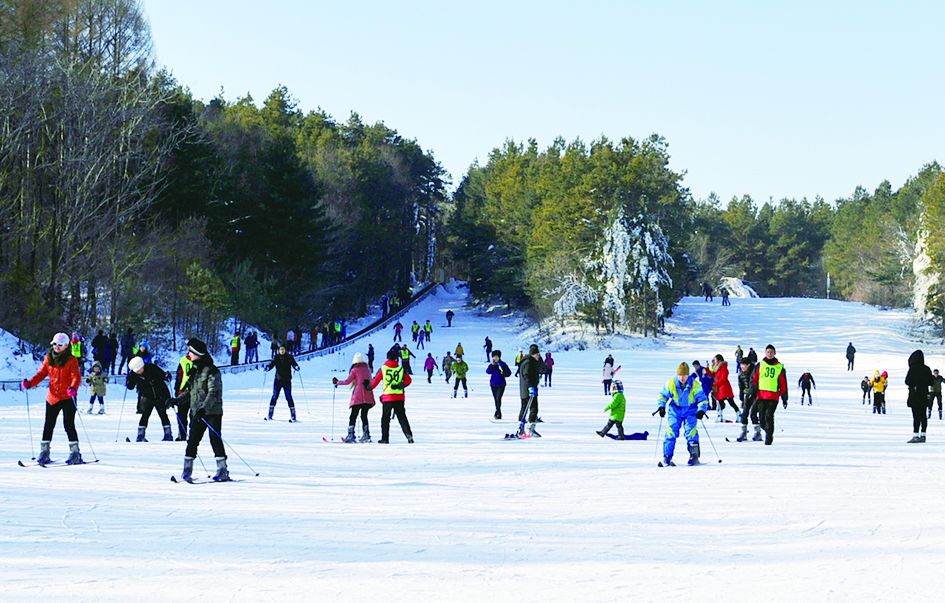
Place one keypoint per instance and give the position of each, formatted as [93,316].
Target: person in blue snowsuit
[687,403]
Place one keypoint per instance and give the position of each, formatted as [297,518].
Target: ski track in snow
[838,509]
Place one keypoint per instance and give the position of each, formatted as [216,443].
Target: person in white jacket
[608,374]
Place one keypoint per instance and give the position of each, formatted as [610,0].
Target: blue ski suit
[683,405]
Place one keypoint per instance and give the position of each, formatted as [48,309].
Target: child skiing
[460,368]
[687,403]
[617,408]
[867,388]
[97,380]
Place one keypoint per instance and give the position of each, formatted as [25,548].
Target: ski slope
[840,508]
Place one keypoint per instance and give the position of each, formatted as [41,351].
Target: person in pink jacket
[362,397]
[429,365]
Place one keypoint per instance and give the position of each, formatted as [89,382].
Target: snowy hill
[840,508]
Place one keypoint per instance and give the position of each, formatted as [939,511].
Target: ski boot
[292,418]
[922,437]
[620,434]
[744,434]
[349,439]
[140,437]
[272,409]
[757,437]
[465,393]
[454,393]
[667,462]
[915,439]
[531,431]
[74,457]
[188,473]
[383,441]
[498,415]
[43,457]
[693,454]
[769,436]
[365,436]
[92,407]
[410,439]
[101,409]
[604,431]
[222,475]
[168,436]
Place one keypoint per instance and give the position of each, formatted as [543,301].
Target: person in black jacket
[936,393]
[919,379]
[153,394]
[747,397]
[284,363]
[805,382]
[851,353]
[529,374]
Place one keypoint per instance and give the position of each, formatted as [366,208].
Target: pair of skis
[54,464]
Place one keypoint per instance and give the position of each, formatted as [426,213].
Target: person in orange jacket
[62,368]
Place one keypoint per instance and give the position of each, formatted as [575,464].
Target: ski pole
[308,410]
[75,402]
[710,440]
[217,433]
[121,412]
[659,430]
[262,394]
[333,390]
[29,422]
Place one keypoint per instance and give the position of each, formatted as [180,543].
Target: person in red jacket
[769,383]
[395,379]
[721,387]
[62,368]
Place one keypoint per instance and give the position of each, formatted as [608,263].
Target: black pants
[935,396]
[879,403]
[766,410]
[731,401]
[147,405]
[101,400]
[456,385]
[497,392]
[750,410]
[532,412]
[197,430]
[548,377]
[67,408]
[429,375]
[920,420]
[355,410]
[805,389]
[849,364]
[285,386]
[397,408]
[607,383]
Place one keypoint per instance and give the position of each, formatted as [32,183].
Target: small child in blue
[617,408]
[687,403]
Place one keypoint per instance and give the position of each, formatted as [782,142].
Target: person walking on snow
[686,403]
[459,350]
[608,373]
[498,372]
[428,330]
[64,379]
[460,368]
[919,379]
[721,387]
[204,396]
[867,388]
[235,349]
[97,380]
[936,393]
[769,383]
[549,364]
[395,379]
[362,397]
[448,366]
[429,365]
[851,352]
[879,392]
[805,383]
[746,395]
[617,408]
[284,364]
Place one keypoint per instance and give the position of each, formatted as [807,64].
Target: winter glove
[367,384]
[662,411]
[200,414]
[170,402]
[532,391]
[72,392]
[700,415]
[26,384]
[334,381]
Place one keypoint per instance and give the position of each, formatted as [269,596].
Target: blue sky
[770,99]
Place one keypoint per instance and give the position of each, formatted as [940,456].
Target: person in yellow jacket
[235,348]
[395,379]
[879,392]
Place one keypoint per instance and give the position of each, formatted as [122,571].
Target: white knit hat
[359,358]
[136,364]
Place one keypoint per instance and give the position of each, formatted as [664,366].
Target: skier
[549,364]
[460,368]
[739,354]
[617,408]
[488,347]
[113,347]
[64,378]
[769,383]
[427,330]
[204,395]
[449,318]
[184,368]
[687,403]
[851,352]
[362,397]
[746,395]
[725,300]
[879,393]
[936,393]
[284,364]
[97,380]
[805,383]
[405,355]
[429,365]
[370,358]
[395,379]
[919,379]
[529,375]
[498,372]
[706,380]
[149,380]
[867,388]
[459,349]
[144,352]
[415,330]
[398,330]
[100,348]
[608,373]
[721,387]
[252,348]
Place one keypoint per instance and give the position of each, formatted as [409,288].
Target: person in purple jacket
[429,365]
[549,364]
[498,371]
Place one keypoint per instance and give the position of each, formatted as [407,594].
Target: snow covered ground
[840,508]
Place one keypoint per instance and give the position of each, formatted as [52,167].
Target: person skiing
[498,372]
[549,364]
[284,364]
[529,375]
[936,393]
[370,358]
[879,393]
[405,355]
[460,368]
[415,330]
[64,379]
[687,403]
[429,365]
[398,330]
[608,373]
[919,379]
[78,350]
[488,347]
[153,394]
[113,347]
[721,387]
[617,408]
[459,350]
[867,388]
[97,380]
[739,354]
[449,318]
[184,367]
[448,366]
[770,383]
[144,352]
[805,383]
[851,352]
[204,395]
[100,348]
[707,381]
[362,397]
[746,395]
[427,330]
[395,379]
